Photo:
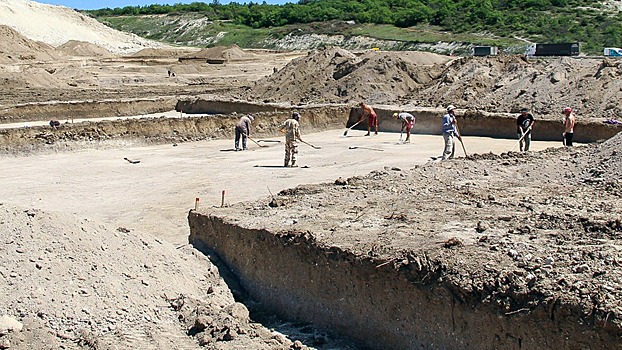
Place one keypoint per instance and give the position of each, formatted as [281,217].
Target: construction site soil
[509,251]
[503,250]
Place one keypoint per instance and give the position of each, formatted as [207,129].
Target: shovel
[462,143]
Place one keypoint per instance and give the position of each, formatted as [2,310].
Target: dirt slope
[504,83]
[74,283]
[82,48]
[55,25]
[336,75]
[14,47]
[590,86]
[227,53]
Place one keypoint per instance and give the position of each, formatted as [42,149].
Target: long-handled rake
[345,133]
[306,143]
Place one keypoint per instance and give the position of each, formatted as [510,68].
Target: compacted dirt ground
[156,194]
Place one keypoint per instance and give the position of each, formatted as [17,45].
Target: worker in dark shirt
[524,126]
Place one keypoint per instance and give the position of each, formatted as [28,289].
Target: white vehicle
[612,51]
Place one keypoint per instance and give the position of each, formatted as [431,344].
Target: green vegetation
[584,21]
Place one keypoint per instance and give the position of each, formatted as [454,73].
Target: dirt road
[154,195]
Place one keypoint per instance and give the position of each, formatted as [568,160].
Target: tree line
[551,20]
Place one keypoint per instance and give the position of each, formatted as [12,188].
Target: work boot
[294,164]
[376,133]
[367,134]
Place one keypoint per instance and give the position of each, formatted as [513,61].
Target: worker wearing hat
[291,129]
[449,131]
[569,123]
[243,129]
[524,126]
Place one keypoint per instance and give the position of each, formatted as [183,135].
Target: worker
[408,121]
[243,129]
[450,130]
[291,129]
[524,126]
[569,122]
[372,117]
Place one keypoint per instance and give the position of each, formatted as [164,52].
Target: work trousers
[238,133]
[291,150]
[450,146]
[525,142]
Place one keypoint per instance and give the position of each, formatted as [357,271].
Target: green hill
[395,24]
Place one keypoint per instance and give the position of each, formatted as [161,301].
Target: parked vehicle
[485,51]
[562,49]
[612,51]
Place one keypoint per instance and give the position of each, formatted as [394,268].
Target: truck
[612,51]
[561,49]
[485,50]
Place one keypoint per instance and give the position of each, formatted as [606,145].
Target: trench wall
[380,306]
[84,109]
[162,130]
[498,125]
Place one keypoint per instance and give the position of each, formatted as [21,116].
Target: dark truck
[485,51]
[562,49]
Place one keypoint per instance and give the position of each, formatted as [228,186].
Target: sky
[98,4]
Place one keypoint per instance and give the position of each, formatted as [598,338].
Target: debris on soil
[452,242]
[341,181]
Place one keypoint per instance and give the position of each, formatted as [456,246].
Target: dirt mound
[74,75]
[82,48]
[604,165]
[164,53]
[496,84]
[545,85]
[14,47]
[29,77]
[56,25]
[337,75]
[230,53]
[73,282]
